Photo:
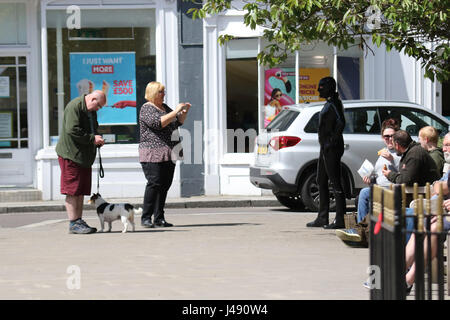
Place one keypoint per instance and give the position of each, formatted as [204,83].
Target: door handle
[346,146]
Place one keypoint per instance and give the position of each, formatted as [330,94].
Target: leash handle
[101,172]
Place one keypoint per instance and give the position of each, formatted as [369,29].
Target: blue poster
[115,75]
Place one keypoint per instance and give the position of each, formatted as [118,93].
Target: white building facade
[39,75]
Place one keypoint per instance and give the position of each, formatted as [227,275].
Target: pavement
[225,248]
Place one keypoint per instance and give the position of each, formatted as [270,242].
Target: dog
[110,212]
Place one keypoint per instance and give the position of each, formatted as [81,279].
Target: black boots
[335,225]
[324,223]
[317,223]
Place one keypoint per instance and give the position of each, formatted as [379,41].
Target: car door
[362,139]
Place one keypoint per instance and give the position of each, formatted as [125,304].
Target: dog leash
[101,172]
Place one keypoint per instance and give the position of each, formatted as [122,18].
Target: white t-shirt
[381,179]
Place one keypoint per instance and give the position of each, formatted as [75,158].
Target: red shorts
[75,180]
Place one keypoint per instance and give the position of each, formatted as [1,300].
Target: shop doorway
[15,157]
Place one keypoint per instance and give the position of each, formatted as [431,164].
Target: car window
[362,121]
[283,120]
[313,124]
[358,120]
[412,120]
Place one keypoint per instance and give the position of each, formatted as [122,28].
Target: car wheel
[310,193]
[293,202]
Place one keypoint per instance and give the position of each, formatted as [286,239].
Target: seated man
[416,165]
[410,252]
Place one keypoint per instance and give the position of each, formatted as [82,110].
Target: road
[210,253]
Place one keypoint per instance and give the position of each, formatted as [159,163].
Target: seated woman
[387,157]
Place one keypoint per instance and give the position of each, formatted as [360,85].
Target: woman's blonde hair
[152,90]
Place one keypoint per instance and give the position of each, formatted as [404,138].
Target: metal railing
[387,243]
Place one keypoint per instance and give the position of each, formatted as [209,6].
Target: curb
[169,205]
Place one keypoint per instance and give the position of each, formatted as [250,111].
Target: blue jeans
[409,222]
[364,206]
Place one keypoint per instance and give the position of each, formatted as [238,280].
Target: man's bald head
[100,96]
[95,100]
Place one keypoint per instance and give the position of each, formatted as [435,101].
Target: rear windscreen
[283,120]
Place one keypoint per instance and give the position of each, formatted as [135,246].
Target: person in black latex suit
[331,126]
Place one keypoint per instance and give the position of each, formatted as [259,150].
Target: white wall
[396,76]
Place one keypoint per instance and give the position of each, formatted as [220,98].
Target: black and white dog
[110,212]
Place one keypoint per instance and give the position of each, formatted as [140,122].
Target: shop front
[54,51]
[116,47]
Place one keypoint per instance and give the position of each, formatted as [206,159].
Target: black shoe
[335,225]
[162,224]
[408,289]
[147,224]
[316,223]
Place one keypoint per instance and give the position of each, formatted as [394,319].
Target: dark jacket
[331,125]
[416,165]
[76,140]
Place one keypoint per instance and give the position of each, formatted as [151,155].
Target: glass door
[15,158]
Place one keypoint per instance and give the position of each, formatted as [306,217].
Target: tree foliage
[419,28]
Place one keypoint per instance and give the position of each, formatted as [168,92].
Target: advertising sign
[115,75]
[279,90]
[308,83]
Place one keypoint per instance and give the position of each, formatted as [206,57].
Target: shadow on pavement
[150,230]
[217,225]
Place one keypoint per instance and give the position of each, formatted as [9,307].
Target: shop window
[316,60]
[348,78]
[13,24]
[242,95]
[113,51]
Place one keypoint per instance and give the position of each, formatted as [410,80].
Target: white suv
[286,153]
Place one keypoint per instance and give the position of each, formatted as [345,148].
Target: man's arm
[408,172]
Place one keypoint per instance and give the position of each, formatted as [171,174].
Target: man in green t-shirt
[76,149]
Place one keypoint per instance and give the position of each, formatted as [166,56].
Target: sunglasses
[388,136]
